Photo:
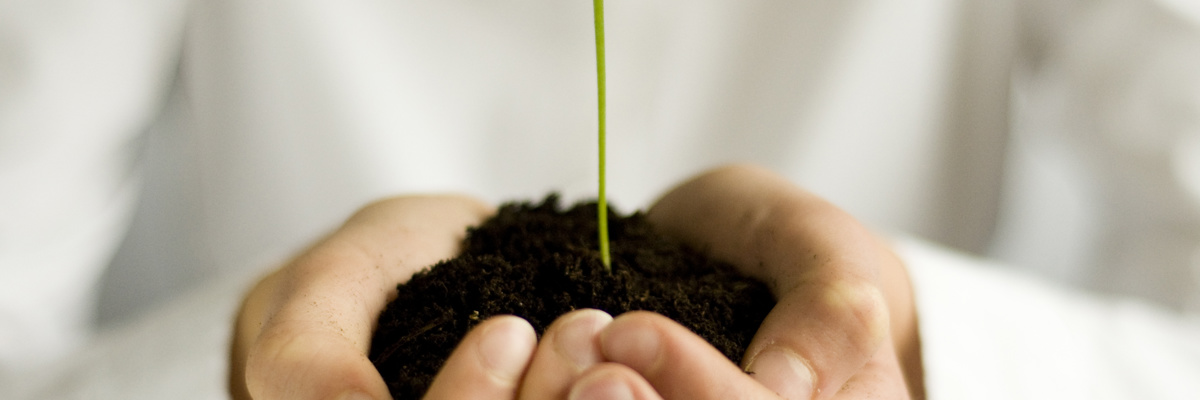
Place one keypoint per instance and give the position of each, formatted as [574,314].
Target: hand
[304,331]
[843,327]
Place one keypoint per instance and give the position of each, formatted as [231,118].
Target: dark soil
[538,262]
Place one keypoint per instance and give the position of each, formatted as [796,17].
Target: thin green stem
[598,11]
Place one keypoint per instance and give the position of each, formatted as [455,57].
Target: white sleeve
[1102,173]
[179,350]
[79,80]
[988,332]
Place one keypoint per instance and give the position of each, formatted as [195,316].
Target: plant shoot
[602,203]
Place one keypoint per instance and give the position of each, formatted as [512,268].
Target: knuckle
[283,348]
[863,303]
[272,353]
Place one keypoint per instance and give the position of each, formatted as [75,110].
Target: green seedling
[602,203]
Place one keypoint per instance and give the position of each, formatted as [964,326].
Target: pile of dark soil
[538,262]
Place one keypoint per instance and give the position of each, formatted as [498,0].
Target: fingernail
[603,387]
[505,349]
[576,339]
[355,395]
[782,371]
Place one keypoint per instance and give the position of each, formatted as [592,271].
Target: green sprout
[602,206]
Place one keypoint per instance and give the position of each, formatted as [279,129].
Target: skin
[844,326]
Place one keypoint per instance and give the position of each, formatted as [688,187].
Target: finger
[676,362]
[803,358]
[301,357]
[611,381]
[569,347]
[821,265]
[877,379]
[489,362]
[304,332]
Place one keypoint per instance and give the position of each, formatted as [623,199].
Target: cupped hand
[843,328]
[304,331]
[844,324]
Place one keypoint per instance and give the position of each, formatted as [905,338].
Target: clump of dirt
[539,261]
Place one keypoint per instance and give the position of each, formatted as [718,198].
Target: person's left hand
[844,325]
[843,328]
